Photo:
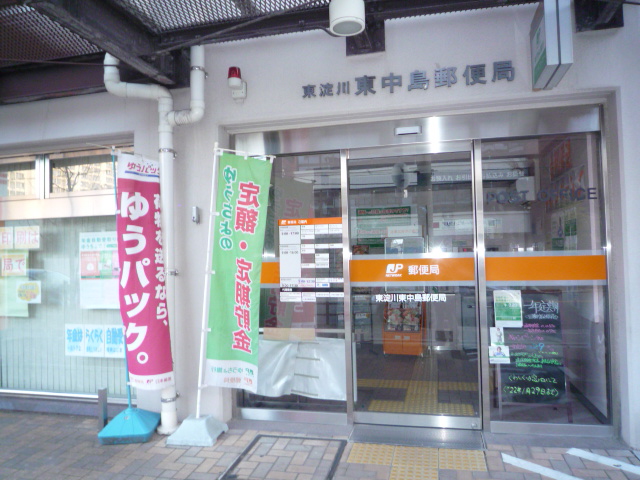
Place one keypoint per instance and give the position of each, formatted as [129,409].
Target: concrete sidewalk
[52,447]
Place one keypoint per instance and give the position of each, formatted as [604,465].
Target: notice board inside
[535,374]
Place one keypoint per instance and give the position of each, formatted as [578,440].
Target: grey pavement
[66,447]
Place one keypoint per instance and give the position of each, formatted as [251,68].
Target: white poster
[94,341]
[497,335]
[101,341]
[27,237]
[99,270]
[114,341]
[6,238]
[499,354]
[74,340]
[14,263]
[29,291]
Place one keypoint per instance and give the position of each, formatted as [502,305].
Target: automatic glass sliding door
[412,289]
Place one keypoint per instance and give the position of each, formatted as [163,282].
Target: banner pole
[197,431]
[124,338]
[207,280]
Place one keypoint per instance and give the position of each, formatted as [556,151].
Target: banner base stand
[132,425]
[197,432]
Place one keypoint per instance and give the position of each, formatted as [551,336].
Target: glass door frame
[472,148]
[580,116]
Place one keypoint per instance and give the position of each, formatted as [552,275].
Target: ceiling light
[346,17]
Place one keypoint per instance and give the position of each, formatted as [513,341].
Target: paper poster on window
[507,306]
[27,237]
[29,291]
[6,238]
[114,341]
[14,263]
[100,341]
[499,354]
[10,305]
[497,335]
[99,270]
[74,340]
[94,340]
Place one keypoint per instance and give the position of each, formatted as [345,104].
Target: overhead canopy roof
[53,48]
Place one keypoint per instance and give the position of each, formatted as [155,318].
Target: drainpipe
[167,119]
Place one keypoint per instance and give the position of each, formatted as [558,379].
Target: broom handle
[207,280]
[124,333]
[126,369]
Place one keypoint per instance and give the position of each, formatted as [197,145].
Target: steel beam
[371,40]
[278,23]
[609,10]
[109,29]
[267,25]
[387,9]
[53,81]
[598,15]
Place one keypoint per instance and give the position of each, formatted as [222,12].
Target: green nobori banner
[234,308]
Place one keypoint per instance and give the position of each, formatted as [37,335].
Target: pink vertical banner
[142,289]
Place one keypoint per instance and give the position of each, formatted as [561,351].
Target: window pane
[58,325]
[547,288]
[82,171]
[306,192]
[18,179]
[415,333]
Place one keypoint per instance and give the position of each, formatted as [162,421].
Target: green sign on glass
[507,306]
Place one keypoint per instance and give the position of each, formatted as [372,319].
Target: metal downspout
[167,119]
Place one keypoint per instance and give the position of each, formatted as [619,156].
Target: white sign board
[551,38]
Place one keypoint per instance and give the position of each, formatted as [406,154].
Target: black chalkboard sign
[535,374]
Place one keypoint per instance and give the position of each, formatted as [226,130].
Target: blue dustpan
[132,425]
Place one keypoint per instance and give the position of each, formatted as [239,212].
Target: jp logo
[393,269]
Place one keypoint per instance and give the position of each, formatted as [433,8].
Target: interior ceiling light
[346,17]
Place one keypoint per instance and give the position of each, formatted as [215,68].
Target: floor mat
[281,454]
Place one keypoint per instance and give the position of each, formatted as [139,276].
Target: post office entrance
[412,292]
[422,280]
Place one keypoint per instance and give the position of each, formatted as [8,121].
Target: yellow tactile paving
[421,397]
[372,454]
[422,386]
[422,405]
[453,459]
[459,409]
[432,395]
[386,406]
[413,472]
[418,456]
[418,385]
[417,463]
[458,386]
[382,383]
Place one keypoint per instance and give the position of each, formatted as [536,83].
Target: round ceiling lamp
[346,17]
